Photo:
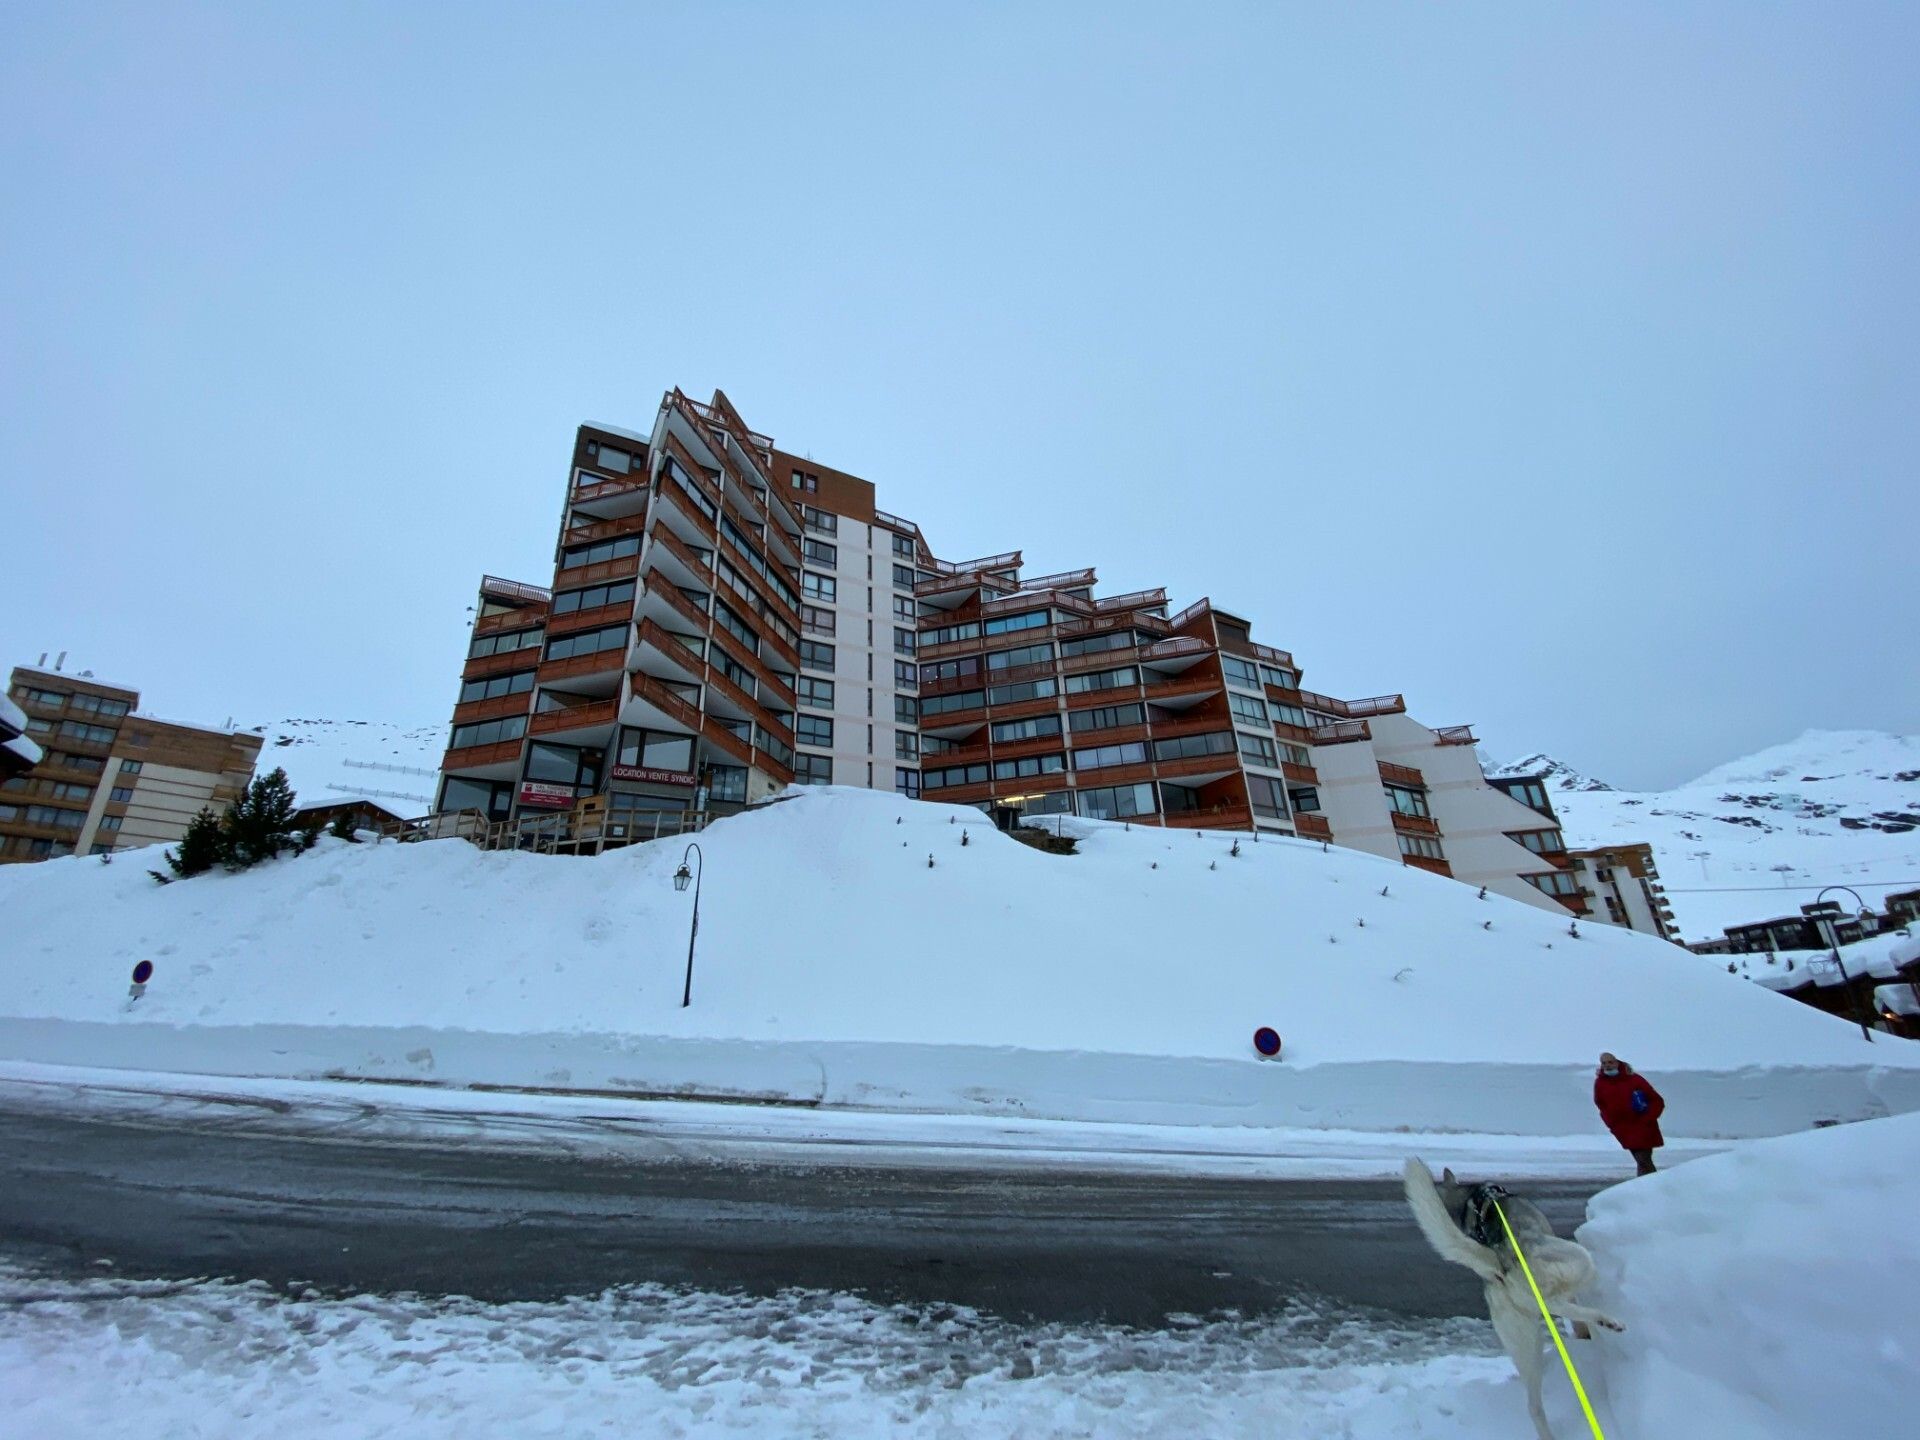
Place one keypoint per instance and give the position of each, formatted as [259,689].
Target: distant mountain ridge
[1832,807]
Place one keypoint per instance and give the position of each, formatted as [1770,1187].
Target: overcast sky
[1555,366]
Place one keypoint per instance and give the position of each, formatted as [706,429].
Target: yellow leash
[1586,1406]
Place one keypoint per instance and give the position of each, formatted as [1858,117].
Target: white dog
[1460,1222]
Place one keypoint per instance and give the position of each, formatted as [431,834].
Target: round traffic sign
[1266,1040]
[143,972]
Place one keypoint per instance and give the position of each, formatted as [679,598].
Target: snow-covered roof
[75,677]
[336,802]
[617,430]
[189,724]
[1884,956]
[23,747]
[1900,999]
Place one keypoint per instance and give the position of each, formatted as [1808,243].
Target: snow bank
[1767,1292]
[836,967]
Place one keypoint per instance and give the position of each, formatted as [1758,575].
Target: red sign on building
[553,797]
[652,777]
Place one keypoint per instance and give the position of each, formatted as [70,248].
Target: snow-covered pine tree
[259,825]
[202,847]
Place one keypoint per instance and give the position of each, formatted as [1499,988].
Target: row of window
[1245,707]
[1247,673]
[1407,800]
[588,642]
[82,704]
[1422,845]
[595,551]
[505,642]
[591,598]
[1111,640]
[767,572]
[488,732]
[1554,882]
[493,686]
[1541,842]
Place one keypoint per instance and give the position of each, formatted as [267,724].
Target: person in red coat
[1631,1108]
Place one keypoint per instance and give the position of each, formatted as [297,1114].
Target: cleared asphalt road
[1049,1245]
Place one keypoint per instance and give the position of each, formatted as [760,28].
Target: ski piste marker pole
[1586,1406]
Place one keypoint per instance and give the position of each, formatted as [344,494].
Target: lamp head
[682,877]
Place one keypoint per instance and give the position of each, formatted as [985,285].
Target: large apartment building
[725,618]
[109,777]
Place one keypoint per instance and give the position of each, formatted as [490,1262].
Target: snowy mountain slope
[1557,773]
[837,966]
[398,765]
[1760,836]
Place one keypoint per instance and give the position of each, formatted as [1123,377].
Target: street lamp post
[1833,940]
[680,879]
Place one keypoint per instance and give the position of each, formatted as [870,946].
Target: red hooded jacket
[1630,1106]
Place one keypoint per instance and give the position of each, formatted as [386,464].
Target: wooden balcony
[478,667]
[1221,762]
[605,529]
[702,571]
[1454,735]
[1414,824]
[574,666]
[590,619]
[1298,773]
[1342,732]
[472,757]
[1197,725]
[1311,825]
[1182,685]
[474,711]
[600,570]
[1230,816]
[1402,775]
[585,492]
[510,620]
[1425,862]
[574,717]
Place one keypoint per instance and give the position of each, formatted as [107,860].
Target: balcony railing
[605,529]
[1414,824]
[619,568]
[1311,825]
[1061,580]
[1342,732]
[1298,773]
[510,619]
[472,757]
[513,589]
[1429,863]
[574,717]
[1132,600]
[1228,816]
[1454,735]
[1402,775]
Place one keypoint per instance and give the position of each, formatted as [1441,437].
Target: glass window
[907,710]
[1024,655]
[619,547]
[1240,672]
[120,794]
[820,552]
[1092,644]
[488,732]
[1027,620]
[815,692]
[592,597]
[812,769]
[491,798]
[1102,680]
[1422,845]
[813,730]
[608,458]
[947,634]
[1258,749]
[903,577]
[563,765]
[814,655]
[1021,690]
[824,521]
[132,767]
[1105,717]
[1407,800]
[493,686]
[587,642]
[1033,728]
[1246,708]
[903,641]
[1291,715]
[904,609]
[1183,746]
[1285,679]
[823,588]
[905,675]
[1267,795]
[506,642]
[903,545]
[815,621]
[1303,798]
[1116,802]
[1028,766]
[1097,756]
[905,781]
[727,783]
[906,745]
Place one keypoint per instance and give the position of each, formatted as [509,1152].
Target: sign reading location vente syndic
[1266,1042]
[652,777]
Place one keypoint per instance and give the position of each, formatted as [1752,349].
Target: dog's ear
[1447,1177]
